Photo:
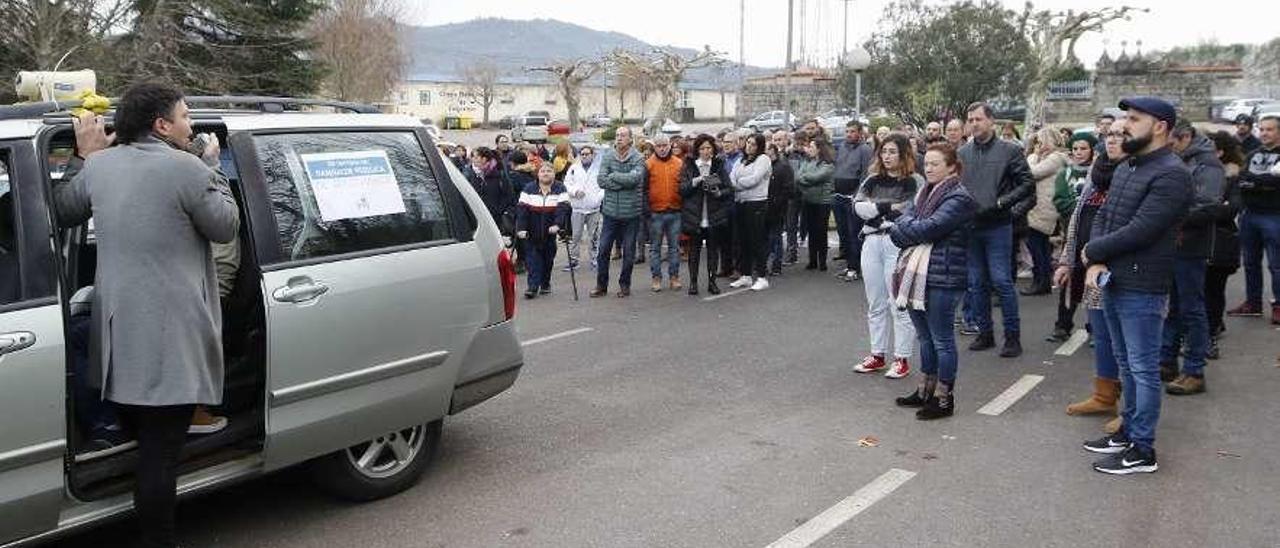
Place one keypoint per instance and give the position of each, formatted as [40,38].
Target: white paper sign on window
[351,185]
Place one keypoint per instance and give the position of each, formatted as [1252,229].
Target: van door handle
[15,341]
[299,290]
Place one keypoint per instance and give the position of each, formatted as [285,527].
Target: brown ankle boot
[1112,426]
[1103,400]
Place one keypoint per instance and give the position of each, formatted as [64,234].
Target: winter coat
[716,195]
[1259,189]
[1043,216]
[493,190]
[535,212]
[1207,178]
[948,230]
[623,180]
[852,163]
[891,195]
[751,181]
[664,183]
[584,179]
[998,178]
[1134,233]
[157,333]
[1067,188]
[1249,144]
[815,181]
[782,186]
[1224,239]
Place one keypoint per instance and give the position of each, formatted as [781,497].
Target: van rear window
[339,193]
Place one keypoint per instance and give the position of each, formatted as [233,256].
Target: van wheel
[380,467]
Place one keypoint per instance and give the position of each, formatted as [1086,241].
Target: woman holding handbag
[705,206]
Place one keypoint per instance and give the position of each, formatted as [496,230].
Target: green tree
[930,61]
[222,46]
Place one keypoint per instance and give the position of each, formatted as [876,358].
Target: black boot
[1012,345]
[712,288]
[985,341]
[1060,334]
[941,405]
[1168,371]
[922,393]
[822,260]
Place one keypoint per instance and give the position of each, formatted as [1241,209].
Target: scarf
[911,275]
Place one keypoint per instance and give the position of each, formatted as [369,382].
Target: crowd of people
[1143,220]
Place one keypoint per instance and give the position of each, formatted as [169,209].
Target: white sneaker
[741,282]
[760,285]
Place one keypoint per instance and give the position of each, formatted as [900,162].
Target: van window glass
[10,286]
[338,193]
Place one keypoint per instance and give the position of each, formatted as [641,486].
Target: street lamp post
[858,60]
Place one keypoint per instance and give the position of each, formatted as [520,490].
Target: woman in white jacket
[750,180]
[1046,161]
[585,196]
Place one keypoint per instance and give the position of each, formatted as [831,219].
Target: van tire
[340,475]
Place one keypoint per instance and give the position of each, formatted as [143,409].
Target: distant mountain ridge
[513,45]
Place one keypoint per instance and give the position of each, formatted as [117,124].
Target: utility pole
[742,61]
[786,78]
[845,46]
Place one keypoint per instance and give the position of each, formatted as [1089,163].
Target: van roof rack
[235,103]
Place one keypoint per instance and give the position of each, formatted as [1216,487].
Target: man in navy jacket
[1131,256]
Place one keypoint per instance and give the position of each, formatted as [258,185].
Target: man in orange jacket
[664,209]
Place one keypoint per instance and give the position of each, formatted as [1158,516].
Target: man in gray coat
[156,339]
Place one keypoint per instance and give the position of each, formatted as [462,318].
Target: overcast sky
[694,23]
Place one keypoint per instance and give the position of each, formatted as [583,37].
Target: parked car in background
[507,122]
[654,126]
[835,120]
[598,120]
[558,127]
[1216,104]
[1242,107]
[542,113]
[769,121]
[1269,106]
[580,139]
[530,128]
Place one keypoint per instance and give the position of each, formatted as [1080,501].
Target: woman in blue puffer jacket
[937,221]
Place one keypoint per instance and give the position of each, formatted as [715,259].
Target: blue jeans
[848,225]
[539,256]
[990,252]
[1041,262]
[668,225]
[1259,232]
[617,231]
[1104,357]
[1187,321]
[936,332]
[1135,321]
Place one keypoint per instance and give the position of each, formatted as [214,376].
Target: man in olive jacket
[156,337]
[622,177]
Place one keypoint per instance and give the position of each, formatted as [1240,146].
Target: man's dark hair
[1107,116]
[854,123]
[137,110]
[986,109]
[1183,129]
[1244,120]
[499,138]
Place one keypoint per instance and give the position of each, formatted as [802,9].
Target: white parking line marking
[1011,395]
[1074,343]
[560,335]
[813,530]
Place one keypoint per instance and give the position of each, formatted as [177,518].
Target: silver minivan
[365,311]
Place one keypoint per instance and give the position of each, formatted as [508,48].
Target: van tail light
[507,275]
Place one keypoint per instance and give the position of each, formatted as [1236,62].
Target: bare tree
[1048,33]
[570,75]
[361,43]
[664,70]
[481,80]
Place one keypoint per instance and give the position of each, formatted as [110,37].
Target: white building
[434,96]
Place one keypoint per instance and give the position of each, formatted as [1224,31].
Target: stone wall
[1191,93]
[807,100]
